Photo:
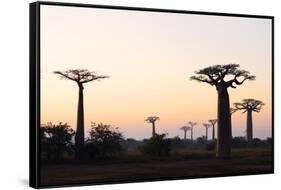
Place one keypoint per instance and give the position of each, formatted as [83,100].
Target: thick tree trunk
[153,129]
[213,133]
[79,137]
[249,126]
[224,125]
[184,135]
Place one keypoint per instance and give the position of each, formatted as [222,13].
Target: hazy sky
[149,57]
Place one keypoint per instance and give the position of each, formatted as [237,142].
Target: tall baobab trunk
[206,134]
[224,125]
[184,135]
[153,129]
[249,126]
[79,137]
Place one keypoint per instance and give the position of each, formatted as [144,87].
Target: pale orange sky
[149,57]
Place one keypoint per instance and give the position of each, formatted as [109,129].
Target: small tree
[249,106]
[80,77]
[157,145]
[104,141]
[56,140]
[207,126]
[223,77]
[152,120]
[213,123]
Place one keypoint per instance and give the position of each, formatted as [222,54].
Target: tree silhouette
[213,123]
[80,76]
[152,120]
[249,106]
[185,129]
[207,126]
[56,140]
[192,124]
[223,77]
[104,141]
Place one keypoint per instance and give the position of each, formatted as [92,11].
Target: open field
[181,165]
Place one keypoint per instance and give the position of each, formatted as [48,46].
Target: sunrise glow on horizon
[150,57]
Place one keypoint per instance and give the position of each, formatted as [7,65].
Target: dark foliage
[157,145]
[131,144]
[56,140]
[104,142]
[201,140]
[176,142]
[239,142]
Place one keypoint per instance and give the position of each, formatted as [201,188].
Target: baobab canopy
[249,104]
[80,75]
[216,74]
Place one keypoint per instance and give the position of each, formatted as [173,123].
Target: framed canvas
[126,94]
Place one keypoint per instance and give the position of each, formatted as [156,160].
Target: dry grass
[180,164]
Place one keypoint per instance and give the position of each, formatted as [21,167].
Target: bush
[56,140]
[176,142]
[157,145]
[104,142]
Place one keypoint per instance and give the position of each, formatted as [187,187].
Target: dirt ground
[244,161]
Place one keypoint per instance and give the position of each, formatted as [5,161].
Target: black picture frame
[34,85]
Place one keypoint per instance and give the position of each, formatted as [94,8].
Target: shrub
[157,145]
[239,142]
[104,142]
[56,140]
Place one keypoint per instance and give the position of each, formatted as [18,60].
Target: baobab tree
[152,120]
[207,126]
[80,77]
[223,77]
[185,129]
[213,123]
[192,124]
[249,106]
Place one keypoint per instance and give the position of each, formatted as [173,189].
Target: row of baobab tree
[221,77]
[247,106]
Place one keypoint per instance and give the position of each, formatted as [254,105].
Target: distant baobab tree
[249,106]
[80,76]
[192,124]
[223,77]
[152,120]
[207,126]
[185,129]
[213,123]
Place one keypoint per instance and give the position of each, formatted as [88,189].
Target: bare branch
[207,125]
[201,79]
[215,75]
[80,75]
[213,121]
